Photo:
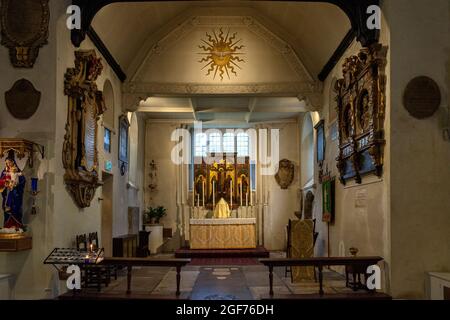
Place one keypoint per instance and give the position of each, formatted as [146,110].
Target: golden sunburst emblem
[222,53]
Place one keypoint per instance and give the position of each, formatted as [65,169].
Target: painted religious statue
[12,185]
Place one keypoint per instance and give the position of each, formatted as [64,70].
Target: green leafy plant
[154,214]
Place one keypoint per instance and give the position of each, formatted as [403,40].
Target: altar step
[259,252]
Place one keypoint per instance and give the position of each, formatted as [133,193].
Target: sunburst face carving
[222,53]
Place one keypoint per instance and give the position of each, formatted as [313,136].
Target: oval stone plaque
[422,97]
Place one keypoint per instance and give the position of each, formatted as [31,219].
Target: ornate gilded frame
[85,106]
[361,111]
[23,37]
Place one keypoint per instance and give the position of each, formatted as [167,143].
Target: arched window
[242,144]
[214,141]
[228,142]
[200,145]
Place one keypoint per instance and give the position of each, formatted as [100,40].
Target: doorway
[107,213]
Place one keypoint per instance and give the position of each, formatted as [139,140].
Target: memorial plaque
[422,97]
[24,29]
[23,99]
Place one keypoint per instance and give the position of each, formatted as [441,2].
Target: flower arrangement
[154,214]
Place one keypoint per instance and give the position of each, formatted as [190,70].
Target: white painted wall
[362,225]
[420,202]
[58,219]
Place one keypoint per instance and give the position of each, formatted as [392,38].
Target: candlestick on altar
[198,200]
[241,192]
[193,195]
[231,194]
[214,194]
[203,192]
[246,199]
[250,191]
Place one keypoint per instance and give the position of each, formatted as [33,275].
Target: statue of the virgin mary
[12,185]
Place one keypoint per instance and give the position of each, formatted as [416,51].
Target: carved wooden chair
[81,242]
[288,269]
[289,246]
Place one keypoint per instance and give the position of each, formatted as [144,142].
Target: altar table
[231,233]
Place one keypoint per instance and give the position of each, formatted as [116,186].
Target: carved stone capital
[131,101]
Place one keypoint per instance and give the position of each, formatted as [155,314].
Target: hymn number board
[361,109]
[224,176]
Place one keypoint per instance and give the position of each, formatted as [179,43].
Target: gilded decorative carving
[22,149]
[249,22]
[361,109]
[85,106]
[24,29]
[285,173]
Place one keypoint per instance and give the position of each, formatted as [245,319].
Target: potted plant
[160,212]
[154,214]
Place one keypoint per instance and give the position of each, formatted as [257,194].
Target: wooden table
[129,263]
[319,262]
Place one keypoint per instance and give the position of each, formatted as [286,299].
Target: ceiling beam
[356,11]
[193,103]
[251,108]
[100,45]
[164,109]
[337,55]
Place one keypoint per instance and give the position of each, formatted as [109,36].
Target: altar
[231,233]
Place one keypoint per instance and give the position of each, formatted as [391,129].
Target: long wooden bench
[129,263]
[319,263]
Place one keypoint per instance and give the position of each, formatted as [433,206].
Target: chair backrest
[288,239]
[93,239]
[81,242]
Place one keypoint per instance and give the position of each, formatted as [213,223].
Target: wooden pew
[129,263]
[319,263]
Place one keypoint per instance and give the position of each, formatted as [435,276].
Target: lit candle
[91,247]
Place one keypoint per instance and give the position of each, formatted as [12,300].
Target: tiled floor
[222,282]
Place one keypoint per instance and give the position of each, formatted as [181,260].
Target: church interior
[225,150]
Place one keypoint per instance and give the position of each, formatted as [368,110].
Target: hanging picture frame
[124,126]
[328,199]
[107,140]
[320,146]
